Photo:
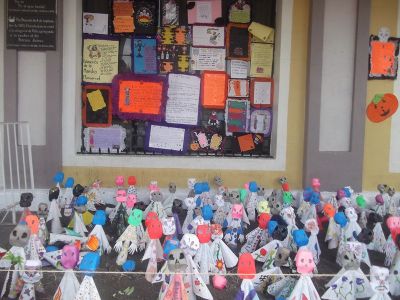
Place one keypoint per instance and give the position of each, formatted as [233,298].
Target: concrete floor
[109,284]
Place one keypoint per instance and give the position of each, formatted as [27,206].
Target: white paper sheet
[167,138]
[95,23]
[183,99]
[262,92]
[204,12]
[208,36]
[212,59]
[239,68]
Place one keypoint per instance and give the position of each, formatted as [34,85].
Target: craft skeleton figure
[257,237]
[154,251]
[234,224]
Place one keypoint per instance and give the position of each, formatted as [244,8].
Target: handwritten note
[123,24]
[105,138]
[212,59]
[183,99]
[166,138]
[95,23]
[239,68]
[140,97]
[96,100]
[262,92]
[99,60]
[262,58]
[123,8]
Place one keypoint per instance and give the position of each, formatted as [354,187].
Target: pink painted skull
[121,196]
[131,200]
[237,211]
[119,181]
[305,261]
[69,256]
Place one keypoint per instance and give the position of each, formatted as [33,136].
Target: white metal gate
[16,168]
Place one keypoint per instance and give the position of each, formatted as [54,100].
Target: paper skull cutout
[311,225]
[246,266]
[43,210]
[20,235]
[280,233]
[168,226]
[190,203]
[263,220]
[288,215]
[172,187]
[54,192]
[260,191]
[350,260]
[382,188]
[391,191]
[131,200]
[26,199]
[151,216]
[177,261]
[32,273]
[136,217]
[154,229]
[190,242]
[69,256]
[275,207]
[33,223]
[216,231]
[281,257]
[304,261]
[237,211]
[379,278]
[121,196]
[379,199]
[203,232]
[119,180]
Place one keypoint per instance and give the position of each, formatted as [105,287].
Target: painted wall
[378,142]
[235,178]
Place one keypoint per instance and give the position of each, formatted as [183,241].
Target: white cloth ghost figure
[79,225]
[260,279]
[30,276]
[311,226]
[350,282]
[390,251]
[190,203]
[379,283]
[104,244]
[352,228]
[168,203]
[66,201]
[43,232]
[54,216]
[87,290]
[154,252]
[266,254]
[155,205]
[251,205]
[204,257]
[14,260]
[304,288]
[362,220]
[282,288]
[394,276]
[289,216]
[128,242]
[222,256]
[220,213]
[332,234]
[35,249]
[256,237]
[306,211]
[248,290]
[379,241]
[68,287]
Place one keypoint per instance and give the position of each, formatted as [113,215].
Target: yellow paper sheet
[262,58]
[99,60]
[262,32]
[96,100]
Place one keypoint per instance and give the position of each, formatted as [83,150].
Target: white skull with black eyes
[177,261]
[190,243]
[20,235]
[384,34]
[379,279]
[168,226]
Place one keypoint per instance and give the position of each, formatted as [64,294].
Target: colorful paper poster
[262,59]
[205,12]
[144,56]
[106,139]
[145,17]
[99,60]
[204,140]
[238,88]
[166,138]
[173,49]
[212,59]
[238,41]
[383,59]
[237,115]
[183,99]
[95,23]
[170,12]
[208,36]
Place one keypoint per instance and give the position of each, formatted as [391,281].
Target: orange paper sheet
[123,8]
[123,24]
[214,89]
[140,97]
[382,58]
[246,142]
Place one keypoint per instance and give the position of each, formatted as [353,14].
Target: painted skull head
[365,236]
[190,203]
[382,188]
[121,196]
[77,190]
[153,186]
[237,211]
[131,200]
[191,182]
[304,261]
[43,210]
[151,216]
[33,223]
[172,188]
[131,180]
[177,261]
[393,222]
[190,243]
[329,210]
[54,192]
[263,220]
[26,199]
[311,225]
[260,191]
[288,215]
[32,273]
[154,229]
[168,226]
[20,235]
[119,180]
[218,181]
[136,217]
[384,34]
[177,206]
[351,214]
[276,207]
[391,191]
[156,196]
[351,256]
[216,231]
[379,279]
[262,207]
[246,266]
[281,257]
[69,256]
[90,262]
[203,232]
[234,197]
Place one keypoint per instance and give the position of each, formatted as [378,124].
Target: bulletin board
[178,77]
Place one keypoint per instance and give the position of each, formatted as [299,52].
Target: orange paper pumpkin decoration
[382,107]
